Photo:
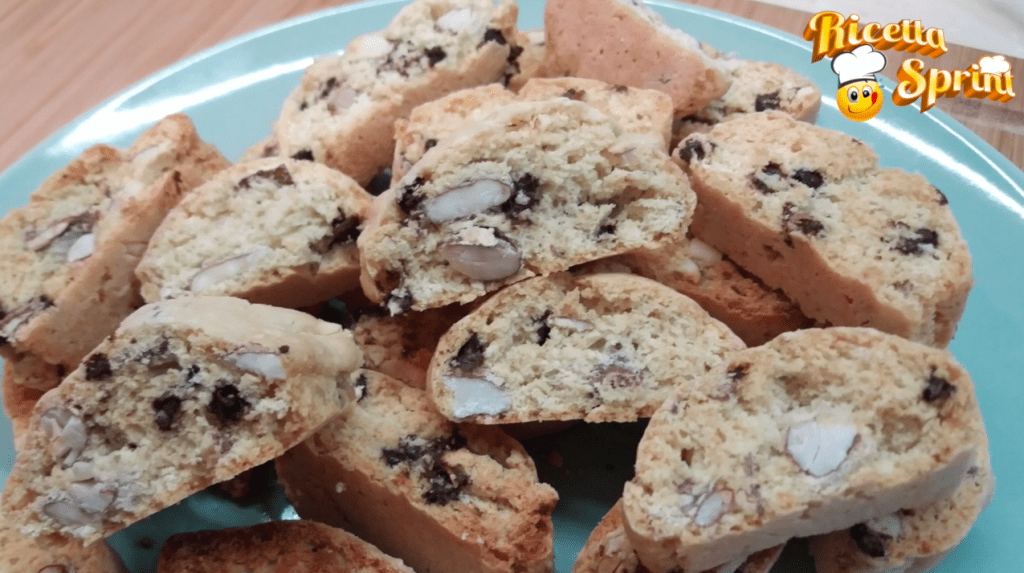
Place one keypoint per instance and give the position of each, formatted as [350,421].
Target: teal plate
[234,91]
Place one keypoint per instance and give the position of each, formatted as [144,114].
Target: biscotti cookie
[274,231]
[343,110]
[753,311]
[443,498]
[756,86]
[608,550]
[187,393]
[402,346]
[68,256]
[910,540]
[25,380]
[808,210]
[600,348]
[19,554]
[625,42]
[812,432]
[430,122]
[641,112]
[275,547]
[530,63]
[536,188]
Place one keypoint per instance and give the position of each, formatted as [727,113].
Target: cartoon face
[860,101]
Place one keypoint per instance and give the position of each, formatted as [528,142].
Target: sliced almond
[819,449]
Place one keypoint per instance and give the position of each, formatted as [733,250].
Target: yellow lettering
[912,83]
[975,89]
[904,40]
[936,43]
[870,33]
[826,29]
[915,39]
[851,31]
[958,82]
[890,37]
[1009,87]
[939,81]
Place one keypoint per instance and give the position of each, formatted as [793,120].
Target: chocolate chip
[543,329]
[525,195]
[435,55]
[407,451]
[812,179]
[470,356]
[429,144]
[574,94]
[445,486]
[494,35]
[512,63]
[283,349]
[766,101]
[227,404]
[799,221]
[328,87]
[738,371]
[97,367]
[343,230]
[166,408]
[409,199]
[690,149]
[760,185]
[942,197]
[279,175]
[773,169]
[620,88]
[937,388]
[304,155]
[380,183]
[402,300]
[361,387]
[910,244]
[869,541]
[191,372]
[304,105]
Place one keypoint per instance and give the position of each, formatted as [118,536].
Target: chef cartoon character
[859,97]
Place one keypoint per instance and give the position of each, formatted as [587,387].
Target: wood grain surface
[60,58]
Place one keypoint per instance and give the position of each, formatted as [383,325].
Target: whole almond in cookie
[536,188]
[815,431]
[600,348]
[187,393]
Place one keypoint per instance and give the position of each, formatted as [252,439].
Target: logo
[856,60]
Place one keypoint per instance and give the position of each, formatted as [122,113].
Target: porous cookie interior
[475,483]
[553,184]
[809,419]
[149,419]
[600,348]
[756,86]
[251,225]
[823,189]
[339,92]
[37,239]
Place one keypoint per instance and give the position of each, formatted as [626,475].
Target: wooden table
[60,58]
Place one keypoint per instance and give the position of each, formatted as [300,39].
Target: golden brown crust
[275,547]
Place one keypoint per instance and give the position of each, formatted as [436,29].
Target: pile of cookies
[578,227]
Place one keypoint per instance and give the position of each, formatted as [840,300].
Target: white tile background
[996,26]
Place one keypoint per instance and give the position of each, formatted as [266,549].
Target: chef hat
[858,65]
